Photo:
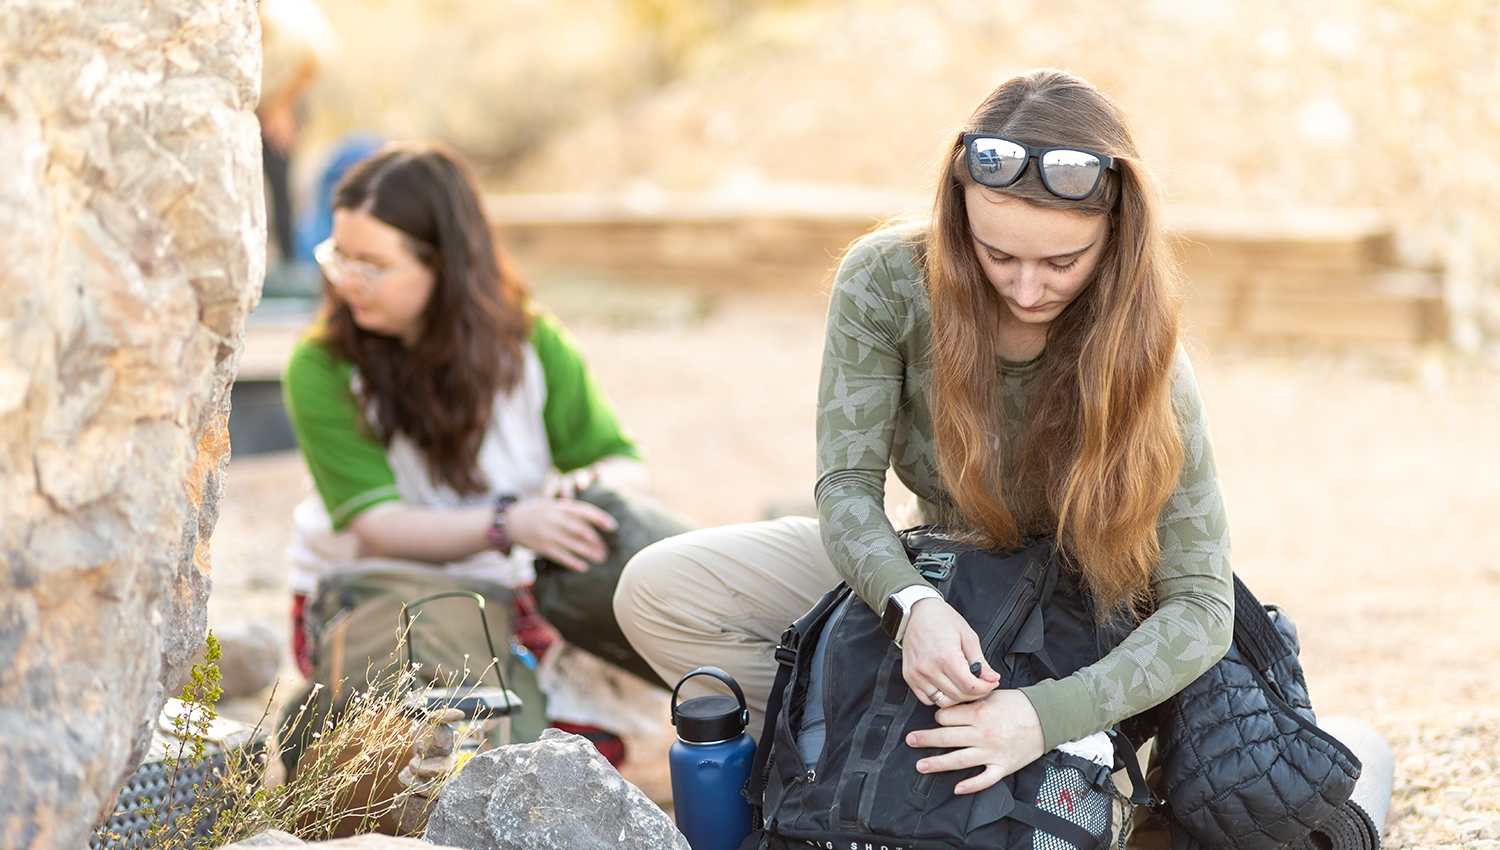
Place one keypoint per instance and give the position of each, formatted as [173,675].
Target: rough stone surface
[556,793]
[432,764]
[132,227]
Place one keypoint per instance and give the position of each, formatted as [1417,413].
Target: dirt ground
[1363,491]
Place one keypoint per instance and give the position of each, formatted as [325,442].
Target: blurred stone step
[1322,275]
[1327,275]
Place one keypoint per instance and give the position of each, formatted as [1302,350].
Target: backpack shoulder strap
[786,661]
[1254,634]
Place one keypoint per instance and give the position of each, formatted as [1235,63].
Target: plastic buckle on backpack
[935,566]
[786,652]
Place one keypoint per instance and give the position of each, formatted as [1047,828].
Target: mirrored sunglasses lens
[1071,174]
[995,162]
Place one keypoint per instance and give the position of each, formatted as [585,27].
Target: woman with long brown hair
[444,417]
[1015,361]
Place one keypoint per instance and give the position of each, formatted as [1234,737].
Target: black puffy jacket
[1243,763]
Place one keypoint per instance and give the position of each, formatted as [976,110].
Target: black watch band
[891,618]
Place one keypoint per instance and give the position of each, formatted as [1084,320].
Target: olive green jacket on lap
[873,415]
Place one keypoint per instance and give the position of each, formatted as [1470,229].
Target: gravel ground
[1362,488]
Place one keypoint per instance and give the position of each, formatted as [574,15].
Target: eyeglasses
[1071,173]
[342,271]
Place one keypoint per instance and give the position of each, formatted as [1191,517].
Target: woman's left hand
[564,531]
[615,472]
[937,655]
[1000,731]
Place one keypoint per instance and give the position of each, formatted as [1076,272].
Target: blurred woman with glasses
[444,417]
[1015,360]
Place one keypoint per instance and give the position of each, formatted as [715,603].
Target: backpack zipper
[1018,593]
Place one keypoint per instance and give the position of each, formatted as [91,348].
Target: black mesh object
[1243,761]
[152,794]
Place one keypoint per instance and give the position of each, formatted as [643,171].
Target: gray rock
[557,793]
[269,838]
[437,742]
[132,224]
[378,842]
[251,656]
[277,838]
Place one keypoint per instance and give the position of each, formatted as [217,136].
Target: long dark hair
[440,392]
[1101,451]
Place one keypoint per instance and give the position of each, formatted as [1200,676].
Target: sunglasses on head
[1071,173]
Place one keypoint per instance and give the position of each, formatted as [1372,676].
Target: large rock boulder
[556,793]
[132,227]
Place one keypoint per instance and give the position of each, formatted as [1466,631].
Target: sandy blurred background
[1363,483]
[1252,104]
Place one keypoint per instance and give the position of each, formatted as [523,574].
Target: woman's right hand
[937,652]
[565,531]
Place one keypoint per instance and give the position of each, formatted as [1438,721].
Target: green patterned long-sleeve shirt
[873,415]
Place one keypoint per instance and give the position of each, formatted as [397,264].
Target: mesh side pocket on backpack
[1081,792]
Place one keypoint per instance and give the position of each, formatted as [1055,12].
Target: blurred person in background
[1016,362]
[314,221]
[445,418]
[297,42]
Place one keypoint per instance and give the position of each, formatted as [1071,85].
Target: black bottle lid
[710,719]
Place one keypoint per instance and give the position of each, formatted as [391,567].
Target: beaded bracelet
[498,535]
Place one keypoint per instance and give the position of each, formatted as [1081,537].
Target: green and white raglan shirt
[556,417]
[873,414]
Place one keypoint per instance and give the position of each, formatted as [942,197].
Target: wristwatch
[898,609]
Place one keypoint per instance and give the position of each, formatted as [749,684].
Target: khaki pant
[723,596]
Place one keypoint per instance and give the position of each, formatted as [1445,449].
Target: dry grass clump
[346,781]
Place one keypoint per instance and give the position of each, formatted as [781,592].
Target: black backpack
[862,788]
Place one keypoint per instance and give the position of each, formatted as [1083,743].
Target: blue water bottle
[710,763]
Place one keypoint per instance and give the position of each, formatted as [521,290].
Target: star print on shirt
[860,442]
[1144,657]
[842,400]
[1200,646]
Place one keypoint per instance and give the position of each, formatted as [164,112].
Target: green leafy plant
[199,697]
[172,826]
[344,784]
